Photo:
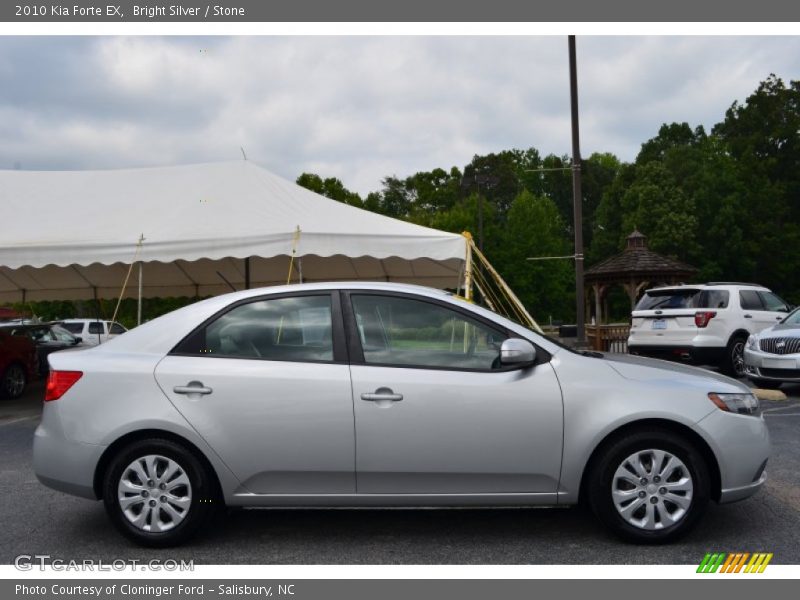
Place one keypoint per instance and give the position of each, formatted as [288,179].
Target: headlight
[742,404]
[752,342]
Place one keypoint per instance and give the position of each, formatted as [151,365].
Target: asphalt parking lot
[36,520]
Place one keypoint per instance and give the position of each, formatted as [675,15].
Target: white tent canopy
[73,234]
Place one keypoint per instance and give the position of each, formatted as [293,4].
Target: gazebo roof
[637,260]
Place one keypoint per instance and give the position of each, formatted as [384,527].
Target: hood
[640,368]
[781,330]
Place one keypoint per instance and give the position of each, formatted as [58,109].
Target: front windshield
[793,318]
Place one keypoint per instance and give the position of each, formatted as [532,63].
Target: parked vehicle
[703,324]
[17,364]
[257,398]
[772,357]
[48,338]
[93,331]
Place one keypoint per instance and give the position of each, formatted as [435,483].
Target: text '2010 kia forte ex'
[370,394]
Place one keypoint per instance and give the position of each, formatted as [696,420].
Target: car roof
[709,286]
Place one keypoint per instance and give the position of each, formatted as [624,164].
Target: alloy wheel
[737,358]
[14,381]
[652,489]
[154,493]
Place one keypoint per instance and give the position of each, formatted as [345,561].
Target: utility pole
[577,202]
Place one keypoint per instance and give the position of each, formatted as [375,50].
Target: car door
[267,385]
[756,314]
[435,411]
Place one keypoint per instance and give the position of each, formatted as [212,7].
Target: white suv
[706,324]
[93,331]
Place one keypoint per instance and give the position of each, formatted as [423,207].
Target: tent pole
[139,303]
[247,273]
[468,268]
[300,270]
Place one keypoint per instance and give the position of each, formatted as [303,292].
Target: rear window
[96,328]
[73,327]
[683,298]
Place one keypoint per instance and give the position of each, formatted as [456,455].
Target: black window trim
[340,355]
[356,352]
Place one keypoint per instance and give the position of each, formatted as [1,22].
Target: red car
[17,364]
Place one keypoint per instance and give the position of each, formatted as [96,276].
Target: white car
[772,357]
[93,331]
[704,324]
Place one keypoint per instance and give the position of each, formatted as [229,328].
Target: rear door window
[750,300]
[297,329]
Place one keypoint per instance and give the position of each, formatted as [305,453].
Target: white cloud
[358,108]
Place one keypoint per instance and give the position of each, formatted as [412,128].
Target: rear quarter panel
[118,395]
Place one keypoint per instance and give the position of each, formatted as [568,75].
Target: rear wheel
[13,382]
[733,363]
[157,493]
[649,487]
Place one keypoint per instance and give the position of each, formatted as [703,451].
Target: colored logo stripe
[734,562]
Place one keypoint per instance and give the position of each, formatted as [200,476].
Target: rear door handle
[193,387]
[748,316]
[382,394]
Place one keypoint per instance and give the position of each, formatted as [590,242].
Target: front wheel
[649,487]
[157,493]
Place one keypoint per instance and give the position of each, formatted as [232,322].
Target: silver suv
[706,324]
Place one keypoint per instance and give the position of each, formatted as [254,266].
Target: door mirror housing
[516,351]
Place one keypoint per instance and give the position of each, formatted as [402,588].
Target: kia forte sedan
[370,394]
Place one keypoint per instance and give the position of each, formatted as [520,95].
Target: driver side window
[400,331]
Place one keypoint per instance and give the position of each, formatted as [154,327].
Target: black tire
[204,499]
[13,382]
[766,384]
[601,479]
[733,363]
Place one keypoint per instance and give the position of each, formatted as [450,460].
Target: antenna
[243,154]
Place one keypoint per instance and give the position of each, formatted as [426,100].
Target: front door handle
[193,387]
[748,316]
[382,394]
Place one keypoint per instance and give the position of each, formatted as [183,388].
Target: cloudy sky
[358,108]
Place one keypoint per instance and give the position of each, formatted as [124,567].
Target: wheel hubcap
[648,505]
[154,475]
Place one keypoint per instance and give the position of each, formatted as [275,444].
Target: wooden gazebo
[635,269]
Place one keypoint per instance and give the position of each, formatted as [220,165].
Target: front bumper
[772,367]
[741,445]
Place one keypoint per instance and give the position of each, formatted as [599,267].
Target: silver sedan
[772,357]
[369,394]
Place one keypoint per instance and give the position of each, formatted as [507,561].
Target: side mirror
[78,339]
[516,351]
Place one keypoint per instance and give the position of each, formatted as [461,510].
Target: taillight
[702,318]
[58,382]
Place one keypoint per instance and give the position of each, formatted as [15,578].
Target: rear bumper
[693,355]
[61,463]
